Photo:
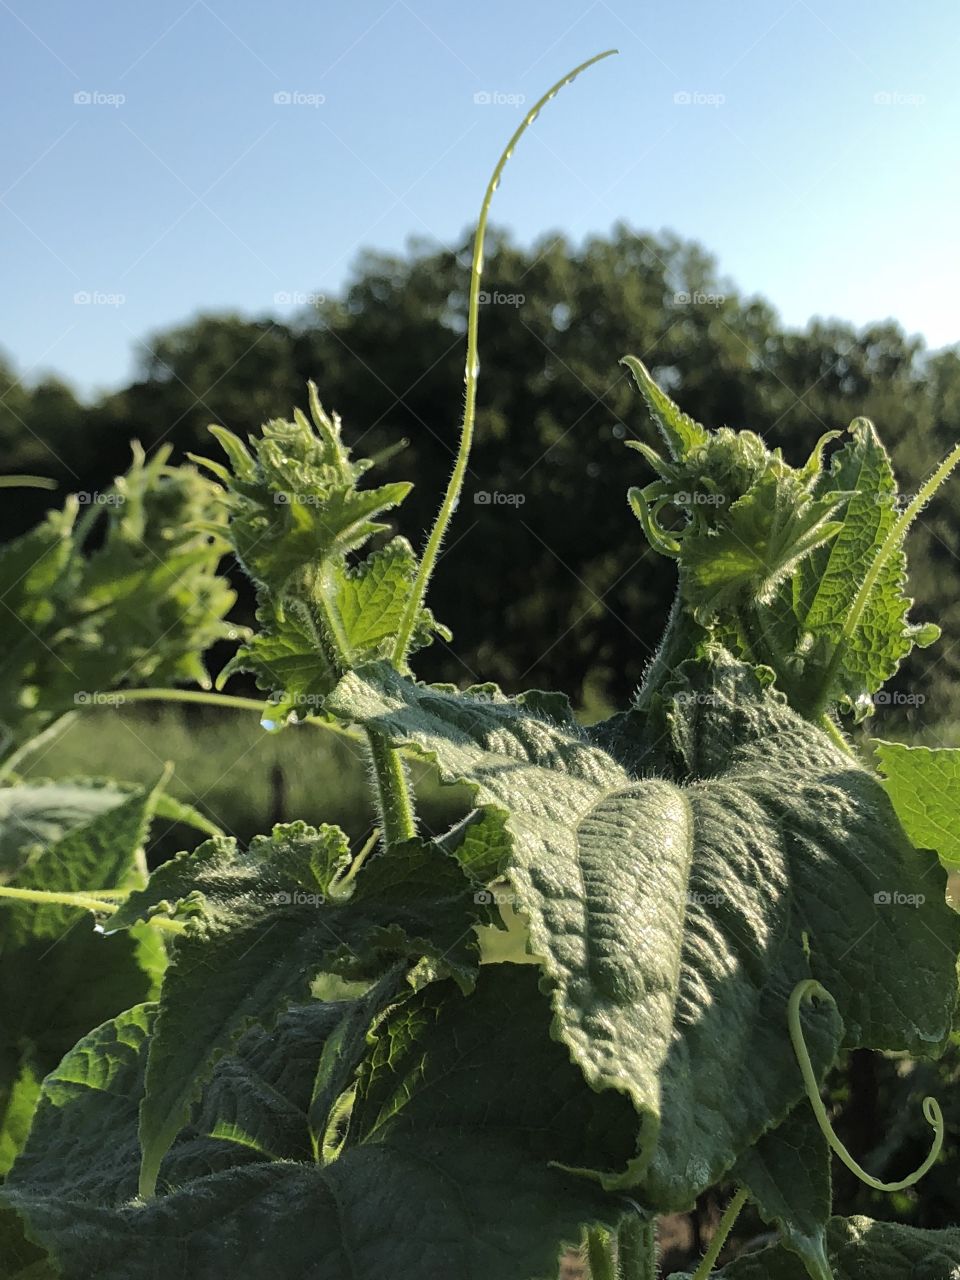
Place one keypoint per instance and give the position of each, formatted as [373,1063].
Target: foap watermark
[897,502]
[497,98]
[298,898]
[494,897]
[298,98]
[896,98]
[97,98]
[88,698]
[497,298]
[298,500]
[697,98]
[96,499]
[297,298]
[897,698]
[894,898]
[486,498]
[698,499]
[98,298]
[698,298]
[692,699]
[696,898]
[308,701]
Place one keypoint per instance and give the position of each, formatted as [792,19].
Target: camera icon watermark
[895,98]
[696,98]
[897,698]
[297,298]
[497,98]
[98,298]
[494,897]
[298,898]
[497,298]
[97,499]
[298,98]
[698,298]
[87,698]
[894,898]
[97,98]
[486,498]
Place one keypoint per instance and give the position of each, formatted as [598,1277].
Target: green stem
[898,531]
[33,744]
[600,1254]
[204,698]
[637,1249]
[83,902]
[808,990]
[679,642]
[432,550]
[720,1235]
[393,791]
[828,726]
[27,482]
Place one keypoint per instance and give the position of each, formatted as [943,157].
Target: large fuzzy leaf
[924,785]
[447,1206]
[788,1176]
[448,1174]
[860,1249]
[674,920]
[261,924]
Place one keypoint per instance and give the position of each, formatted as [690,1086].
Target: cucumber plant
[620,980]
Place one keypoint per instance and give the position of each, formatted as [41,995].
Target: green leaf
[680,432]
[143,605]
[673,920]
[860,1248]
[35,815]
[254,1107]
[788,1177]
[443,1060]
[759,541]
[924,785]
[859,664]
[58,976]
[455,1162]
[296,514]
[455,1207]
[261,924]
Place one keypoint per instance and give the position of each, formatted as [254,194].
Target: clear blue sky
[199,191]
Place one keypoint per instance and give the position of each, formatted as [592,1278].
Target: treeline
[573,599]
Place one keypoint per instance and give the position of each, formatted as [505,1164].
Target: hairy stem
[27,482]
[730,1216]
[828,726]
[33,744]
[228,700]
[600,1254]
[83,902]
[809,990]
[637,1249]
[679,642]
[393,791]
[472,369]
